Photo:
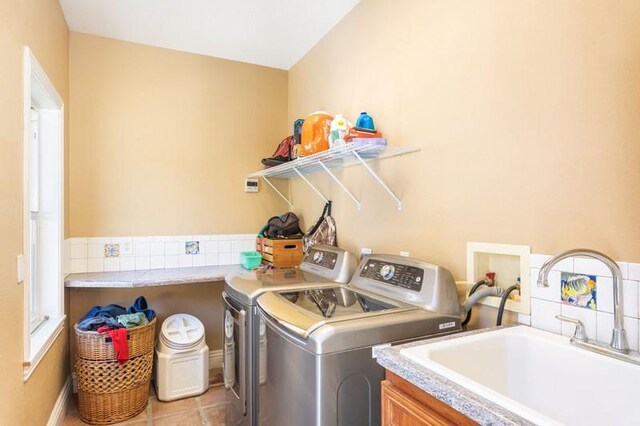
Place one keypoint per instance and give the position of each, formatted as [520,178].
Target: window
[35,314]
[43,229]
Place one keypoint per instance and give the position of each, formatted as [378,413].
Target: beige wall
[161,140]
[40,25]
[527,115]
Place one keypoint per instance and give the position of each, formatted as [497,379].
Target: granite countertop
[465,401]
[151,277]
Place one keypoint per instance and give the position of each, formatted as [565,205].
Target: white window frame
[36,317]
[42,328]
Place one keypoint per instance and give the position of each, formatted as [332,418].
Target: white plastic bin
[182,358]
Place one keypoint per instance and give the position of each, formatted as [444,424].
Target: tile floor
[204,410]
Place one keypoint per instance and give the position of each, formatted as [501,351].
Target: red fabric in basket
[119,340]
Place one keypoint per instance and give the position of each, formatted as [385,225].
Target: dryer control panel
[324,258]
[330,263]
[396,274]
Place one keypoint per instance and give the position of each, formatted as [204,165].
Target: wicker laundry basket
[107,391]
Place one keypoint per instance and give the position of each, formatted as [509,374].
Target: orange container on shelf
[315,133]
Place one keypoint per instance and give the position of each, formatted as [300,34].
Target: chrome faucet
[619,338]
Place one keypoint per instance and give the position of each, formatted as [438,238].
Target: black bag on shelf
[282,226]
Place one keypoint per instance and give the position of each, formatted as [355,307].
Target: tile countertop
[150,278]
[468,403]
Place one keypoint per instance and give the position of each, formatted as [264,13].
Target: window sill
[41,341]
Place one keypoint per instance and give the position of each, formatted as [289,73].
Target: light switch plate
[20,268]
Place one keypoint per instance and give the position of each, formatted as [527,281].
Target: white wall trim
[39,92]
[215,359]
[40,342]
[60,408]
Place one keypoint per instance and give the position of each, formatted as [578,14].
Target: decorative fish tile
[578,290]
[111,250]
[192,247]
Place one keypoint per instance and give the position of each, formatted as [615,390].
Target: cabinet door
[398,409]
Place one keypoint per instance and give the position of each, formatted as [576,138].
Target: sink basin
[538,375]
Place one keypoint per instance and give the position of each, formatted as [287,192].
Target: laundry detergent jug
[315,133]
[339,128]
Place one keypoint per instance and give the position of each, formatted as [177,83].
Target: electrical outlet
[404,253]
[364,251]
[126,247]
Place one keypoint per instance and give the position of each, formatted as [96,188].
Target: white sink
[538,376]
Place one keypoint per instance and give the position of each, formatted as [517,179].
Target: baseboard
[215,359]
[60,408]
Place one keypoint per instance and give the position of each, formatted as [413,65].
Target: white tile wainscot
[546,302]
[84,255]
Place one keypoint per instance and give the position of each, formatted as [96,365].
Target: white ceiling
[274,33]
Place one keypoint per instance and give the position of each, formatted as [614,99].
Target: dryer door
[233,359]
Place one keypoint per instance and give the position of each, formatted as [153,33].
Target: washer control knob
[318,256]
[387,272]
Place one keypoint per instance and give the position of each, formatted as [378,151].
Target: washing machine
[318,343]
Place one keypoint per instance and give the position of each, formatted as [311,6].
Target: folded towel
[133,320]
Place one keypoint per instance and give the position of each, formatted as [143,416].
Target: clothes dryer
[244,357]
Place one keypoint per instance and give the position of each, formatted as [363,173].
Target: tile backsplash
[105,254]
[546,302]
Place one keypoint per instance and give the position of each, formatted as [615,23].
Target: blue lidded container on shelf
[365,121]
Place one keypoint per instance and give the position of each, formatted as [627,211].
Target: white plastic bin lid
[183,330]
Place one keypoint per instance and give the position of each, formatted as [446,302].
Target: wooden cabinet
[403,404]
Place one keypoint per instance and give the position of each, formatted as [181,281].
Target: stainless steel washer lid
[333,265]
[325,336]
[245,287]
[302,312]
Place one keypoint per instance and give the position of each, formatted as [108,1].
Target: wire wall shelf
[332,159]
